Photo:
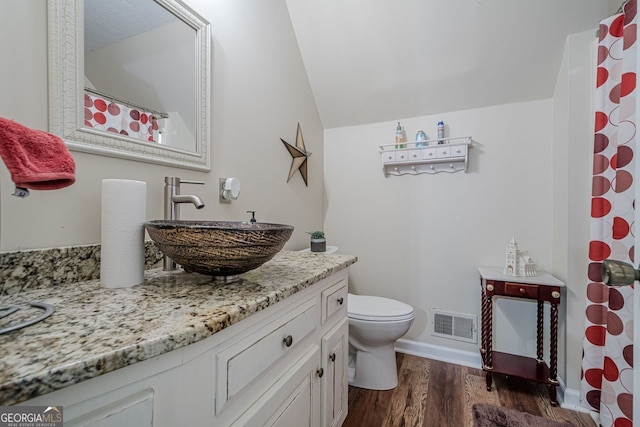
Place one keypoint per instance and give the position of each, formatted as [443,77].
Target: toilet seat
[378,309]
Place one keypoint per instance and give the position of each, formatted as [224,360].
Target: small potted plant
[318,241]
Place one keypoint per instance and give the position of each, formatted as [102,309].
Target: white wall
[420,239]
[260,93]
[572,171]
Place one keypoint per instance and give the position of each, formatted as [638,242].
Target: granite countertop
[96,330]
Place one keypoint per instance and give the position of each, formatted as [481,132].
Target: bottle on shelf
[399,137]
[440,132]
[421,139]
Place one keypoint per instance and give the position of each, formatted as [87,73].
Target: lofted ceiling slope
[377,60]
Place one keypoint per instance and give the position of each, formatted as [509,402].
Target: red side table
[541,288]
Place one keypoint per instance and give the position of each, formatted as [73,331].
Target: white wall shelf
[426,157]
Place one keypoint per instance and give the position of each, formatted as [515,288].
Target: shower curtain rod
[157,114]
[621,8]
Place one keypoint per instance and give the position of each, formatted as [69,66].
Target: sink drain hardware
[7,310]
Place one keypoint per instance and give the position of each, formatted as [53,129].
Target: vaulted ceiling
[107,22]
[380,60]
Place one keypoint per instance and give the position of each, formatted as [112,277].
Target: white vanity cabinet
[335,352]
[283,366]
[294,400]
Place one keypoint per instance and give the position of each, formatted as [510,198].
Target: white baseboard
[572,401]
[567,398]
[437,352]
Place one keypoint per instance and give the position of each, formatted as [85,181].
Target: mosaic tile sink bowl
[223,249]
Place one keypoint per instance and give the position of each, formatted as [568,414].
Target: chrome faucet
[172,201]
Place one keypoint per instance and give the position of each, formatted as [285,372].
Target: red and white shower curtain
[607,364]
[112,116]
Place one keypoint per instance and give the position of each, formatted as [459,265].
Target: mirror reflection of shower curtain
[112,116]
[607,364]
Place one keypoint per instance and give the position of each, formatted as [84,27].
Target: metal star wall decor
[299,156]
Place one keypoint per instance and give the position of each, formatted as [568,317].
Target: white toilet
[375,324]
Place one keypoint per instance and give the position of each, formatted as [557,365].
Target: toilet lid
[377,309]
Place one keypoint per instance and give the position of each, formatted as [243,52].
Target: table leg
[553,356]
[487,337]
[483,328]
[540,330]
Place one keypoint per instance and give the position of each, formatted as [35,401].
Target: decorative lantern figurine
[518,263]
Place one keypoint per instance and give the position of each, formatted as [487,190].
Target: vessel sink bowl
[218,248]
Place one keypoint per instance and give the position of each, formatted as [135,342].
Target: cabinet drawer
[130,410]
[458,150]
[402,156]
[415,155]
[429,153]
[249,358]
[520,290]
[389,156]
[443,152]
[334,300]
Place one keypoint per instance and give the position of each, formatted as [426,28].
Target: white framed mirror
[152,105]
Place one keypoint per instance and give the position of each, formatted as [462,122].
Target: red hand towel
[36,159]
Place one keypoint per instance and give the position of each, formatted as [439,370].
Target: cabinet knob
[332,357]
[490,288]
[320,372]
[288,341]
[555,294]
[340,300]
[523,291]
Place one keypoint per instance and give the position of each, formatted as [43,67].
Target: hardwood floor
[438,394]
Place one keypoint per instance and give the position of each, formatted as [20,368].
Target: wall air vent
[455,326]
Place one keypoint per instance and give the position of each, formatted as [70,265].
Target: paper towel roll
[124,205]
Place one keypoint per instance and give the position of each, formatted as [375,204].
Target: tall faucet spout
[172,201]
[188,198]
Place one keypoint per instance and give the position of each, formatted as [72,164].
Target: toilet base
[373,370]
